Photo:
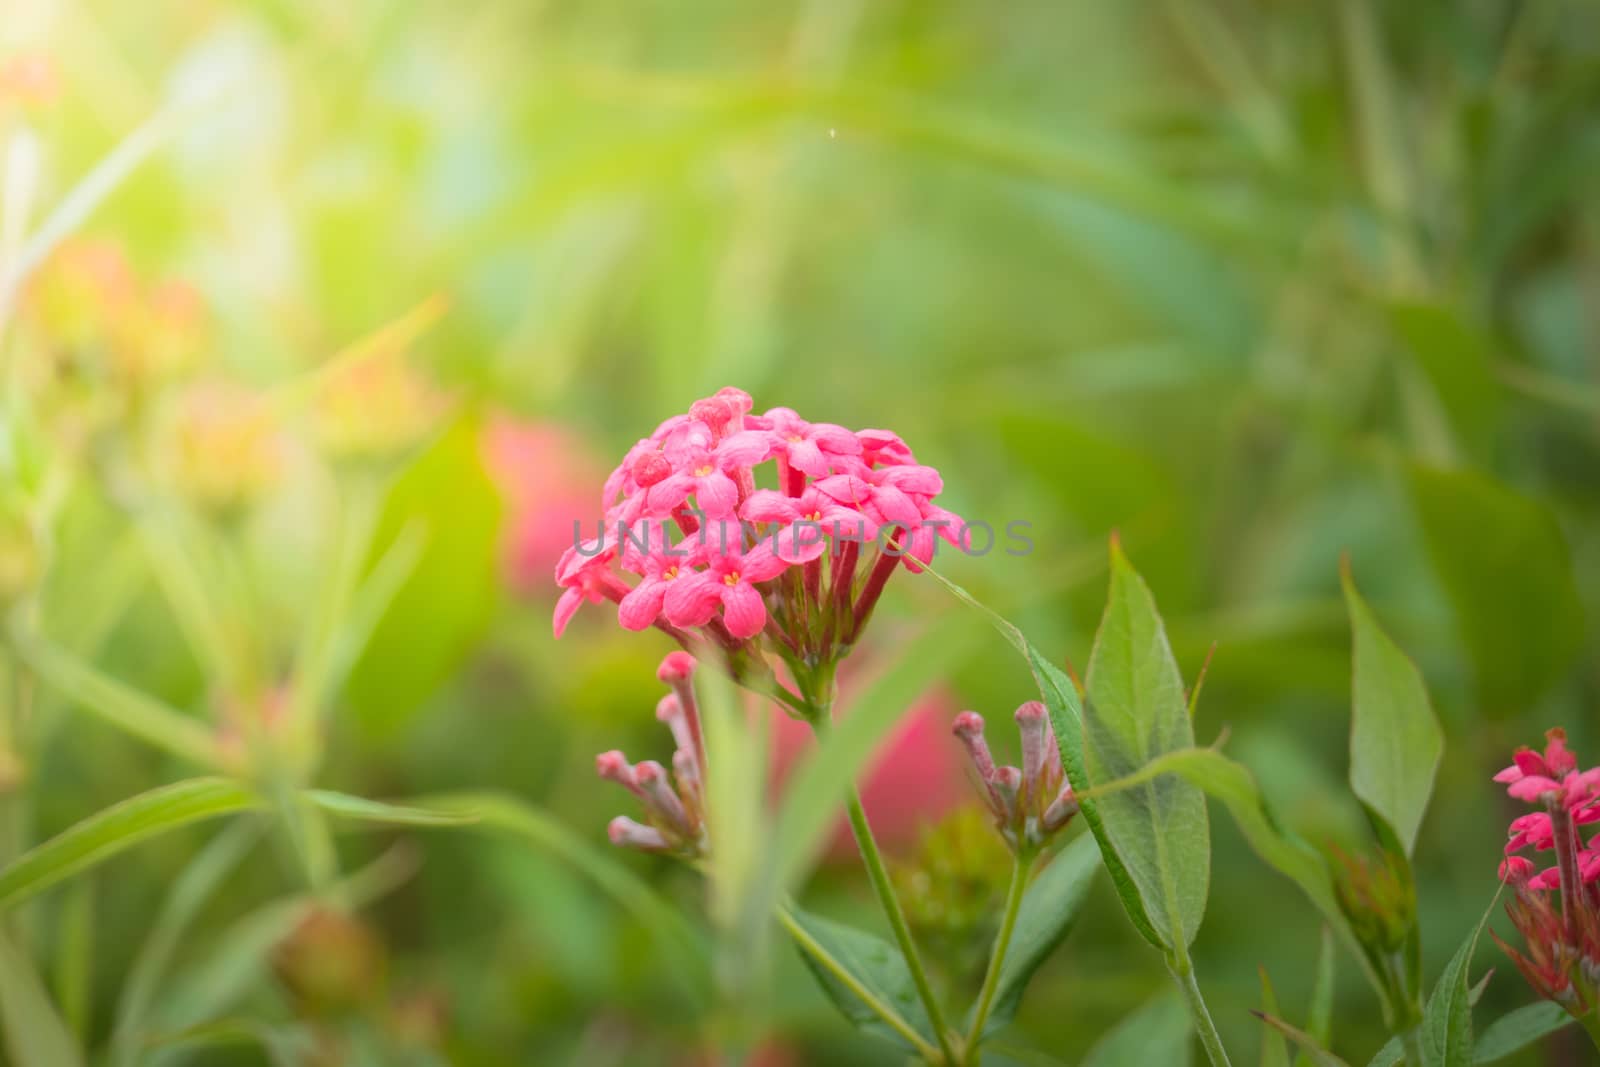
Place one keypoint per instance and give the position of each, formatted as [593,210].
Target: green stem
[1183,971]
[1411,1040]
[1002,942]
[816,951]
[878,873]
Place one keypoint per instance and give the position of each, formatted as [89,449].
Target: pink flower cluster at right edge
[1562,958]
[715,558]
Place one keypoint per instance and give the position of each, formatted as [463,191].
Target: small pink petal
[743,610]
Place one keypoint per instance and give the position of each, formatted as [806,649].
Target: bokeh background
[1255,283]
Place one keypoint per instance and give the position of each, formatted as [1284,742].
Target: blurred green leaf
[119,828]
[116,702]
[1319,1020]
[75,958]
[1504,563]
[1274,1047]
[508,815]
[1517,1030]
[32,1029]
[449,594]
[194,885]
[1458,360]
[1133,712]
[1395,739]
[365,810]
[865,977]
[813,795]
[1158,1032]
[1049,907]
[1313,1050]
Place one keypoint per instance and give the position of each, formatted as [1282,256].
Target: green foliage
[1395,739]
[1134,711]
[1049,907]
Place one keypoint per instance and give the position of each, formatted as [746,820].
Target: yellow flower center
[704,471]
[731,578]
[670,573]
[815,516]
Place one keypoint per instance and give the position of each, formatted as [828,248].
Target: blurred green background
[1255,283]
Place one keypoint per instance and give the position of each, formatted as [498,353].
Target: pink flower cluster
[722,544]
[674,807]
[1030,803]
[1562,961]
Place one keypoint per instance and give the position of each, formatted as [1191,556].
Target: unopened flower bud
[1008,786]
[650,468]
[613,766]
[659,797]
[1032,722]
[626,833]
[1377,898]
[968,729]
[1060,811]
[676,667]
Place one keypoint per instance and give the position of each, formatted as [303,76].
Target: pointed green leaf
[1134,712]
[1319,1056]
[365,810]
[30,1026]
[1447,1020]
[1395,739]
[1158,1032]
[115,701]
[1521,1028]
[1319,1021]
[1274,1046]
[118,828]
[864,976]
[1505,565]
[1048,908]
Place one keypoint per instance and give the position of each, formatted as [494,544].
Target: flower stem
[879,876]
[1183,971]
[1002,942]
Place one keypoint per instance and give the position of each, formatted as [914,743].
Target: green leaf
[365,810]
[1447,1020]
[1521,1028]
[119,828]
[1505,566]
[1458,360]
[1309,1046]
[1274,1047]
[1232,784]
[865,977]
[192,888]
[1157,1032]
[32,1029]
[1395,739]
[1048,907]
[116,702]
[1135,711]
[1319,1021]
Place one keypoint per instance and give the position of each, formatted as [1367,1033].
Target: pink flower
[708,474]
[1531,776]
[809,446]
[809,519]
[729,581]
[697,475]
